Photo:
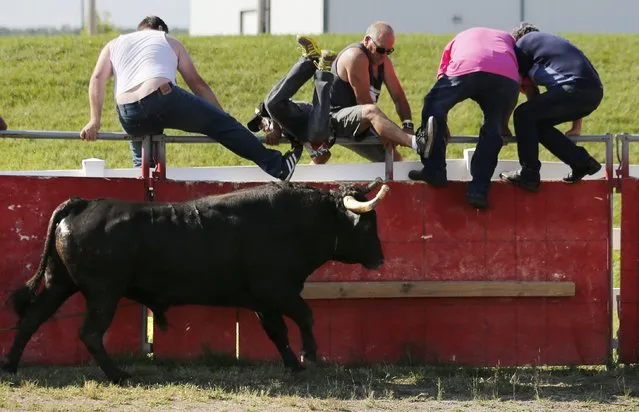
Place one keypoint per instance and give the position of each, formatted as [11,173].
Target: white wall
[422,16]
[210,17]
[583,16]
[213,17]
[297,16]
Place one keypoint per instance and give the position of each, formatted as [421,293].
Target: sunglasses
[382,50]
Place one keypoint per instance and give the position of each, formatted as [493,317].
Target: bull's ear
[353,217]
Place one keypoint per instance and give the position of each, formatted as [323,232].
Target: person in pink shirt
[478,64]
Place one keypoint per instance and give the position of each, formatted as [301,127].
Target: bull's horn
[358,207]
[374,184]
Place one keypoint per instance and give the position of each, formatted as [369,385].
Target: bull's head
[357,239]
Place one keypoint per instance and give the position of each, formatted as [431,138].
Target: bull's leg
[276,329]
[100,312]
[44,305]
[298,310]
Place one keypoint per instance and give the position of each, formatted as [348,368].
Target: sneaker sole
[431,131]
[315,55]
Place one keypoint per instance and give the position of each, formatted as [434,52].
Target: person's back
[550,60]
[141,56]
[480,49]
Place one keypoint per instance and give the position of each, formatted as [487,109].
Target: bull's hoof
[295,369]
[313,364]
[120,378]
[309,357]
[9,368]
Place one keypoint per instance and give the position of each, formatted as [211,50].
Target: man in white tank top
[148,99]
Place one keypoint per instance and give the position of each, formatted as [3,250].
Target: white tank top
[140,56]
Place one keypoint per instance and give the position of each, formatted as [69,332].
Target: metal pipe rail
[160,141]
[62,135]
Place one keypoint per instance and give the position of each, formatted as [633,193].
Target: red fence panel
[26,203]
[559,234]
[629,287]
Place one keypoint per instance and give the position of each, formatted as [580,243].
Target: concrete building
[223,17]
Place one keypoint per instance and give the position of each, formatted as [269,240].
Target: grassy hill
[43,86]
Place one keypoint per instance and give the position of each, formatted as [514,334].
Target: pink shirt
[480,50]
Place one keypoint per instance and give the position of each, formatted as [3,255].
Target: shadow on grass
[227,376]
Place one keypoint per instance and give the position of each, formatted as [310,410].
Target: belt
[165,89]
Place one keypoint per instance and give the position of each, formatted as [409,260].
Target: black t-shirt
[551,61]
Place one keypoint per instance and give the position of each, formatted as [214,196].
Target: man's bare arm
[396,91]
[530,91]
[97,84]
[190,74]
[575,130]
[355,65]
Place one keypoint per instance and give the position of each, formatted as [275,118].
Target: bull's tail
[24,296]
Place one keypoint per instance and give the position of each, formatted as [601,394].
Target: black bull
[251,248]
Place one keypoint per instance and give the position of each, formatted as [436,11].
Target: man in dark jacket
[573,91]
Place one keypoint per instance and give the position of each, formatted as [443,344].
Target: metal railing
[157,144]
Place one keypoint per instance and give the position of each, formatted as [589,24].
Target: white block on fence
[93,167]
[468,158]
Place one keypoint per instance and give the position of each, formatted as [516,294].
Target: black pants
[303,121]
[535,122]
[495,95]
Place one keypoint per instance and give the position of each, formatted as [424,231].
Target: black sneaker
[591,167]
[435,181]
[289,161]
[425,137]
[516,179]
[477,201]
[255,123]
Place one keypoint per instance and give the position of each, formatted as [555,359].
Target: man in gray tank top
[360,70]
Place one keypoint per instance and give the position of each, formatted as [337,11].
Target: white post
[91,18]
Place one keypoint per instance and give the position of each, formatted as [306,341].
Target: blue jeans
[181,110]
[495,95]
[535,122]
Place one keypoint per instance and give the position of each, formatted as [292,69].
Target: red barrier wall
[26,203]
[559,234]
[629,292]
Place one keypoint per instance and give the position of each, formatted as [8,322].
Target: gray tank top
[342,94]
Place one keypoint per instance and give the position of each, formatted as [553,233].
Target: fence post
[160,158]
[610,174]
[390,155]
[625,155]
[147,147]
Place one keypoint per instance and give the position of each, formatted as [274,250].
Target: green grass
[44,87]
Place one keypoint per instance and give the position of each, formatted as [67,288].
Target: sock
[413,142]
